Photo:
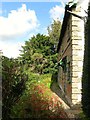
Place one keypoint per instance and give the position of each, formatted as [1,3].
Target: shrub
[41,102]
[13,84]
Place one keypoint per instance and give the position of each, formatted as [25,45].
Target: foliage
[86,71]
[13,84]
[35,53]
[39,56]
[45,79]
[39,52]
[40,102]
[54,33]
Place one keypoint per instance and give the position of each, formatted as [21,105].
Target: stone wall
[72,47]
[77,56]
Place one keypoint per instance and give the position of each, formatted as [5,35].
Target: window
[63,64]
[68,73]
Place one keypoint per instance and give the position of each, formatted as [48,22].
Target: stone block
[76,33]
[77,85]
[76,79]
[78,42]
[80,64]
[74,85]
[74,63]
[75,101]
[74,96]
[76,91]
[77,47]
[76,68]
[75,74]
[76,37]
[77,58]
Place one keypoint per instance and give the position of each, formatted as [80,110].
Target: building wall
[72,48]
[64,80]
[77,56]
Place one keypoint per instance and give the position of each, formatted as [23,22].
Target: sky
[20,20]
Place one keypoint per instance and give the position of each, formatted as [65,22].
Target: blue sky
[19,21]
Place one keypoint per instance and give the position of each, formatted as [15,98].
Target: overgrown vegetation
[39,101]
[13,84]
[35,64]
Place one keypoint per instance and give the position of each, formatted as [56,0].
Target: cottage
[71,54]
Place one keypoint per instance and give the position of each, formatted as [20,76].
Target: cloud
[56,12]
[18,22]
[15,28]
[11,49]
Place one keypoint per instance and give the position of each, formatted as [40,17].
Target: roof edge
[65,21]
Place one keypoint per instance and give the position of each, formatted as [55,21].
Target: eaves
[64,24]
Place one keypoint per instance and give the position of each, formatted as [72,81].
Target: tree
[39,52]
[54,33]
[35,53]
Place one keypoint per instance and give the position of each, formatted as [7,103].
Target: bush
[13,84]
[41,102]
